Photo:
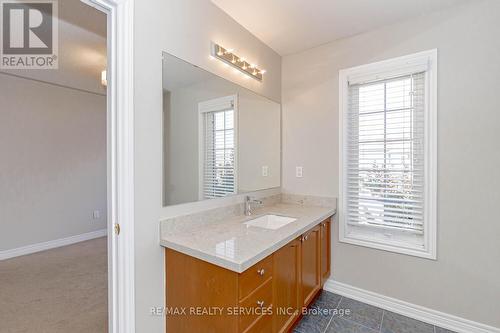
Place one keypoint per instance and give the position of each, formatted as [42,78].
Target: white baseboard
[418,312]
[21,251]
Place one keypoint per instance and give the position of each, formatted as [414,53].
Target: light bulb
[104,79]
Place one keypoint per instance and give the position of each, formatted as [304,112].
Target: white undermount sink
[270,221]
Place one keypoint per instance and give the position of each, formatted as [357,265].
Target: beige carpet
[59,290]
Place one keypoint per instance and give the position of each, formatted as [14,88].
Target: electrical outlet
[265,171]
[96,214]
[298,172]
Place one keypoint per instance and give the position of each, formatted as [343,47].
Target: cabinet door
[286,285]
[325,233]
[194,283]
[310,265]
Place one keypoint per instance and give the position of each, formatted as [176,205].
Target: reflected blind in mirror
[219,153]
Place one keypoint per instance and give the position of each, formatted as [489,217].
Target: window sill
[390,246]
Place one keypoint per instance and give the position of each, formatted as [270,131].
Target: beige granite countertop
[231,244]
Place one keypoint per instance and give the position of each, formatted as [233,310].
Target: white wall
[183,28]
[464,281]
[52,162]
[259,142]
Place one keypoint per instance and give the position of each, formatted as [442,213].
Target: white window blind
[384,153]
[218,171]
[387,195]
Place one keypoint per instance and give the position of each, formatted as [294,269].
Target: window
[388,155]
[217,147]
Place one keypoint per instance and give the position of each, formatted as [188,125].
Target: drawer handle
[261,271]
[260,303]
[304,238]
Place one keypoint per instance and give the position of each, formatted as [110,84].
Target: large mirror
[219,138]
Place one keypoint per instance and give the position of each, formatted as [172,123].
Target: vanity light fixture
[228,57]
[104,79]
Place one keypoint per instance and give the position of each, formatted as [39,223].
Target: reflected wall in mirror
[219,138]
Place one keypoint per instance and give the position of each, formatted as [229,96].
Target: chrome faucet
[248,206]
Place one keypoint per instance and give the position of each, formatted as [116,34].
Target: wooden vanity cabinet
[326,250]
[284,283]
[310,265]
[287,275]
[193,285]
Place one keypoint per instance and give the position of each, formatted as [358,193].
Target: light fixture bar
[227,56]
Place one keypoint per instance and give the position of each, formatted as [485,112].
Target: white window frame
[213,105]
[371,237]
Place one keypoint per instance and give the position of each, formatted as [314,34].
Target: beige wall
[183,28]
[53,162]
[465,280]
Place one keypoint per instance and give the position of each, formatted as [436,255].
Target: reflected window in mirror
[218,148]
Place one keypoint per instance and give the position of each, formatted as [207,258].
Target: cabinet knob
[260,303]
[261,271]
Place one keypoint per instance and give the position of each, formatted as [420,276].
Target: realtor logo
[29,34]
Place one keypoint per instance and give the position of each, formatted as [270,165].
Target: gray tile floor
[333,313]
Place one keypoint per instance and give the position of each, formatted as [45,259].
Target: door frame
[120,158]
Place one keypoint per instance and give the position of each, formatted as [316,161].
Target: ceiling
[82,49]
[290,26]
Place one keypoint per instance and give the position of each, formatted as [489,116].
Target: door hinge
[117,229]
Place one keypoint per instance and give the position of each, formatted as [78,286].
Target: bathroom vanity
[227,271]
[233,275]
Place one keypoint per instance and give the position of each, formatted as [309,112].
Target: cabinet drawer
[258,304]
[263,325]
[255,276]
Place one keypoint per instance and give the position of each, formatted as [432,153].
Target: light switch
[265,171]
[96,214]
[298,172]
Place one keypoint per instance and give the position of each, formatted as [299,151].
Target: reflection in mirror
[219,138]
